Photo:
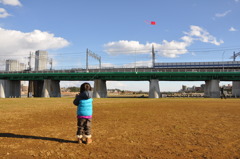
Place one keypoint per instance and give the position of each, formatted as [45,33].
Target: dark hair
[85,87]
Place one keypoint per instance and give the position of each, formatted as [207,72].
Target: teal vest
[85,107]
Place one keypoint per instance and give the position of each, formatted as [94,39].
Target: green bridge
[124,76]
[47,84]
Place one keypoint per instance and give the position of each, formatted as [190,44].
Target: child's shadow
[11,135]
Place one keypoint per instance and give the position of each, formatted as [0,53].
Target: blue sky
[186,30]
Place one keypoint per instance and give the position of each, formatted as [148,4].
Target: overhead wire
[135,55]
[133,51]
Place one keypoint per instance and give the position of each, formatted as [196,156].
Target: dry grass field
[122,128]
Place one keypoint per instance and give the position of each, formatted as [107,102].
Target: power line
[140,51]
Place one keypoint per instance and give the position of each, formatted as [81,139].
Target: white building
[41,60]
[12,65]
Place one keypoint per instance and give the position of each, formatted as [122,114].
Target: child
[222,93]
[84,113]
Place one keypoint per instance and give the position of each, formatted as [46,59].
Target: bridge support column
[35,88]
[10,89]
[100,89]
[236,88]
[154,90]
[211,89]
[2,91]
[51,88]
[30,89]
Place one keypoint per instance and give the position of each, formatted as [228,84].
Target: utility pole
[100,62]
[51,63]
[29,61]
[222,59]
[95,56]
[135,61]
[153,56]
[235,55]
[87,60]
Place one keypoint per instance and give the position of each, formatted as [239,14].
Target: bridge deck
[123,76]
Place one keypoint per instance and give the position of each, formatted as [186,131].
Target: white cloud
[166,48]
[11,2]
[3,13]
[232,29]
[202,35]
[127,47]
[219,15]
[15,43]
[173,48]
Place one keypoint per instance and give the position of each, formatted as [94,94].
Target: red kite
[150,22]
[153,23]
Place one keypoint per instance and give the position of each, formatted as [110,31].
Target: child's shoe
[88,140]
[79,139]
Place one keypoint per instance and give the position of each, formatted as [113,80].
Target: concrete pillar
[12,89]
[30,89]
[236,89]
[211,89]
[100,89]
[154,90]
[16,89]
[206,89]
[2,91]
[55,88]
[51,88]
[37,88]
[46,88]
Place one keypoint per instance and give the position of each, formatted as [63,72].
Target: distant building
[24,88]
[41,60]
[198,89]
[184,88]
[192,89]
[22,66]
[12,65]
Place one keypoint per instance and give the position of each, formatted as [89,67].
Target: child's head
[85,87]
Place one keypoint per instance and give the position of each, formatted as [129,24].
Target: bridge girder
[125,76]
